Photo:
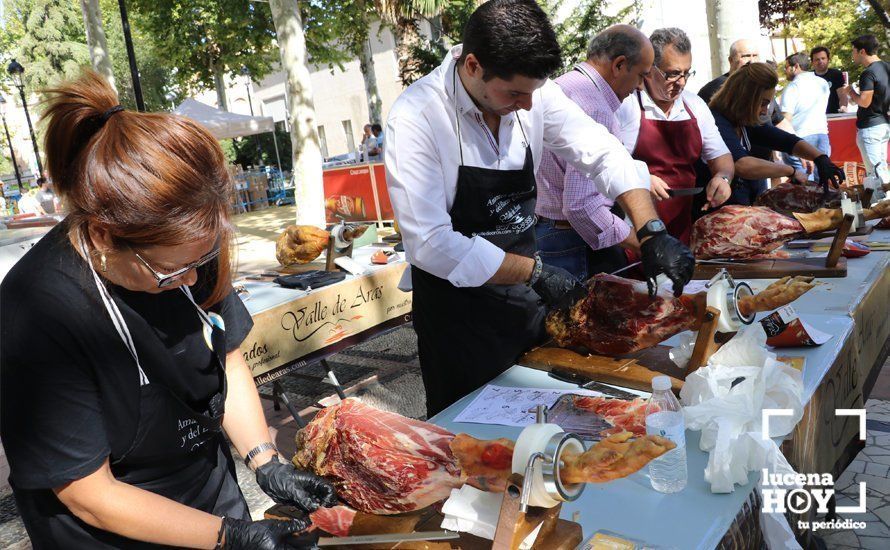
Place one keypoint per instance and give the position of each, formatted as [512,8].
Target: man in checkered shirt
[580,229]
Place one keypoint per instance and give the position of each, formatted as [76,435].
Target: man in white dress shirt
[463,144]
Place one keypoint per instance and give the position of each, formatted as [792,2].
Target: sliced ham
[381,462]
[336,520]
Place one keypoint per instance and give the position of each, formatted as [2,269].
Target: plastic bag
[725,400]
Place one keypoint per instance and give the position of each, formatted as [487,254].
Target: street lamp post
[131,57]
[18,177]
[246,72]
[16,71]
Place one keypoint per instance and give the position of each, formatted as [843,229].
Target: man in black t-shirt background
[873,99]
[820,57]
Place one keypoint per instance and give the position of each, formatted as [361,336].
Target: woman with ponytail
[119,336]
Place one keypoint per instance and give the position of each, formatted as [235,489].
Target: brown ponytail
[150,179]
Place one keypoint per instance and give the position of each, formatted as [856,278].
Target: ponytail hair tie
[103,118]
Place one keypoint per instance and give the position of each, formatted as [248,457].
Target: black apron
[468,335]
[177,452]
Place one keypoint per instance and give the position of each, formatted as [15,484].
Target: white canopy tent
[224,125]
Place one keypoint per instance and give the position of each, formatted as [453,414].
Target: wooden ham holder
[514,525]
[333,252]
[632,372]
[833,266]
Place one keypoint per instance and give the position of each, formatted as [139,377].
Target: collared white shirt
[629,121]
[422,156]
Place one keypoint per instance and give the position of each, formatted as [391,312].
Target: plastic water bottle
[664,417]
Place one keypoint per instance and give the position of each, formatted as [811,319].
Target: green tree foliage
[586,21]
[155,71]
[834,24]
[49,39]
[204,39]
[244,150]
[784,14]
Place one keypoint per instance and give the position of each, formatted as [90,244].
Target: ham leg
[384,463]
[618,317]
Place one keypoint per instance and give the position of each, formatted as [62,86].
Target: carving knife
[685,192]
[585,383]
[387,538]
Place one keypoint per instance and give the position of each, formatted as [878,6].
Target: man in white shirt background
[803,104]
[670,129]
[463,143]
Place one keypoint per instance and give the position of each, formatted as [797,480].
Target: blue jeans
[562,248]
[565,248]
[745,192]
[820,142]
[872,144]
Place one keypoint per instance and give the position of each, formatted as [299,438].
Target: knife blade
[586,383]
[387,538]
[685,192]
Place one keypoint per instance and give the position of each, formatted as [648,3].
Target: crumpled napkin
[725,400]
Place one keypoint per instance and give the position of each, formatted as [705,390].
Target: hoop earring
[103,263]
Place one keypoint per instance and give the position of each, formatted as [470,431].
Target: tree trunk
[92,22]
[307,172]
[438,32]
[366,64]
[407,36]
[219,82]
[883,16]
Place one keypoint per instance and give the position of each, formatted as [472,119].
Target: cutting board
[626,372]
[371,524]
[862,231]
[773,268]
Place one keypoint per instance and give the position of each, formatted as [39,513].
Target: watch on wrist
[536,271]
[262,447]
[724,178]
[652,227]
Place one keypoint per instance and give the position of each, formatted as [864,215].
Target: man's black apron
[468,335]
[177,452]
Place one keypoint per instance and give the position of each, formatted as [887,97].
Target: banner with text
[295,329]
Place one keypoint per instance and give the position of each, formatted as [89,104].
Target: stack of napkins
[469,510]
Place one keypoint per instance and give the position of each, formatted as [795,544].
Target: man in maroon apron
[670,129]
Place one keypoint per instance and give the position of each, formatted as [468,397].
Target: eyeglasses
[166,279]
[673,76]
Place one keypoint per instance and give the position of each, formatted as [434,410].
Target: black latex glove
[267,534]
[828,172]
[287,485]
[664,253]
[558,288]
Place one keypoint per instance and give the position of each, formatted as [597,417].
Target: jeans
[562,248]
[872,144]
[565,248]
[820,142]
[745,192]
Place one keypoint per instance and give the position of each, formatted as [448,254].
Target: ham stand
[533,500]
